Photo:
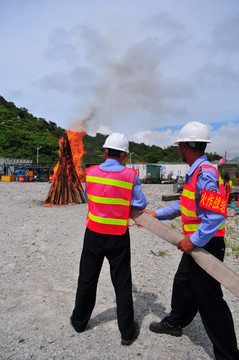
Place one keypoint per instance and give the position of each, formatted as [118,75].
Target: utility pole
[130,157]
[38,153]
[225,163]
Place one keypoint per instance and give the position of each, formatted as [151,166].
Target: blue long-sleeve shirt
[210,220]
[138,198]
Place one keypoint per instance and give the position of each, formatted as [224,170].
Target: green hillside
[21,134]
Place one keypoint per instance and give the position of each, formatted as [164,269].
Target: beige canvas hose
[214,267]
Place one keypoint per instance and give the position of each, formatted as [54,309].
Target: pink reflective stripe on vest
[190,220]
[109,198]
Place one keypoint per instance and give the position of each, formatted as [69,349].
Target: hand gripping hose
[214,267]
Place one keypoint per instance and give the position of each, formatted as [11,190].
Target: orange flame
[75,138]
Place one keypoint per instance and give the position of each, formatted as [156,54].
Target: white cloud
[105,130]
[226,139]
[160,138]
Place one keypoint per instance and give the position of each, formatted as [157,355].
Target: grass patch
[160,253]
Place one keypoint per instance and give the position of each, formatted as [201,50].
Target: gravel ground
[40,249]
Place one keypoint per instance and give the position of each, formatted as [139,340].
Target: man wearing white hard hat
[202,208]
[111,189]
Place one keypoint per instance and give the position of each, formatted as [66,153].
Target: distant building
[174,169]
[141,167]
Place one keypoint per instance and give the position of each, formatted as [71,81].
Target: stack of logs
[66,187]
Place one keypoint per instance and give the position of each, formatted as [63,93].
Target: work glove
[186,245]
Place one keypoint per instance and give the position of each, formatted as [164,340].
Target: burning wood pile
[66,185]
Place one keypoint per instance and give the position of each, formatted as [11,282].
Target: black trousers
[194,290]
[116,248]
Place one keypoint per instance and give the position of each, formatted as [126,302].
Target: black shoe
[75,327]
[163,327]
[134,337]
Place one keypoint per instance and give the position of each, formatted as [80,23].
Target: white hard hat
[194,132]
[117,141]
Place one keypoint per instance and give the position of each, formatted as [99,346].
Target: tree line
[21,134]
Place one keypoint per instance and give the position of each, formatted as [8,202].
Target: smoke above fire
[118,83]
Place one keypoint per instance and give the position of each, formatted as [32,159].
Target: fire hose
[213,266]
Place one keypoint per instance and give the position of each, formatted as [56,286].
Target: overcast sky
[143,68]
